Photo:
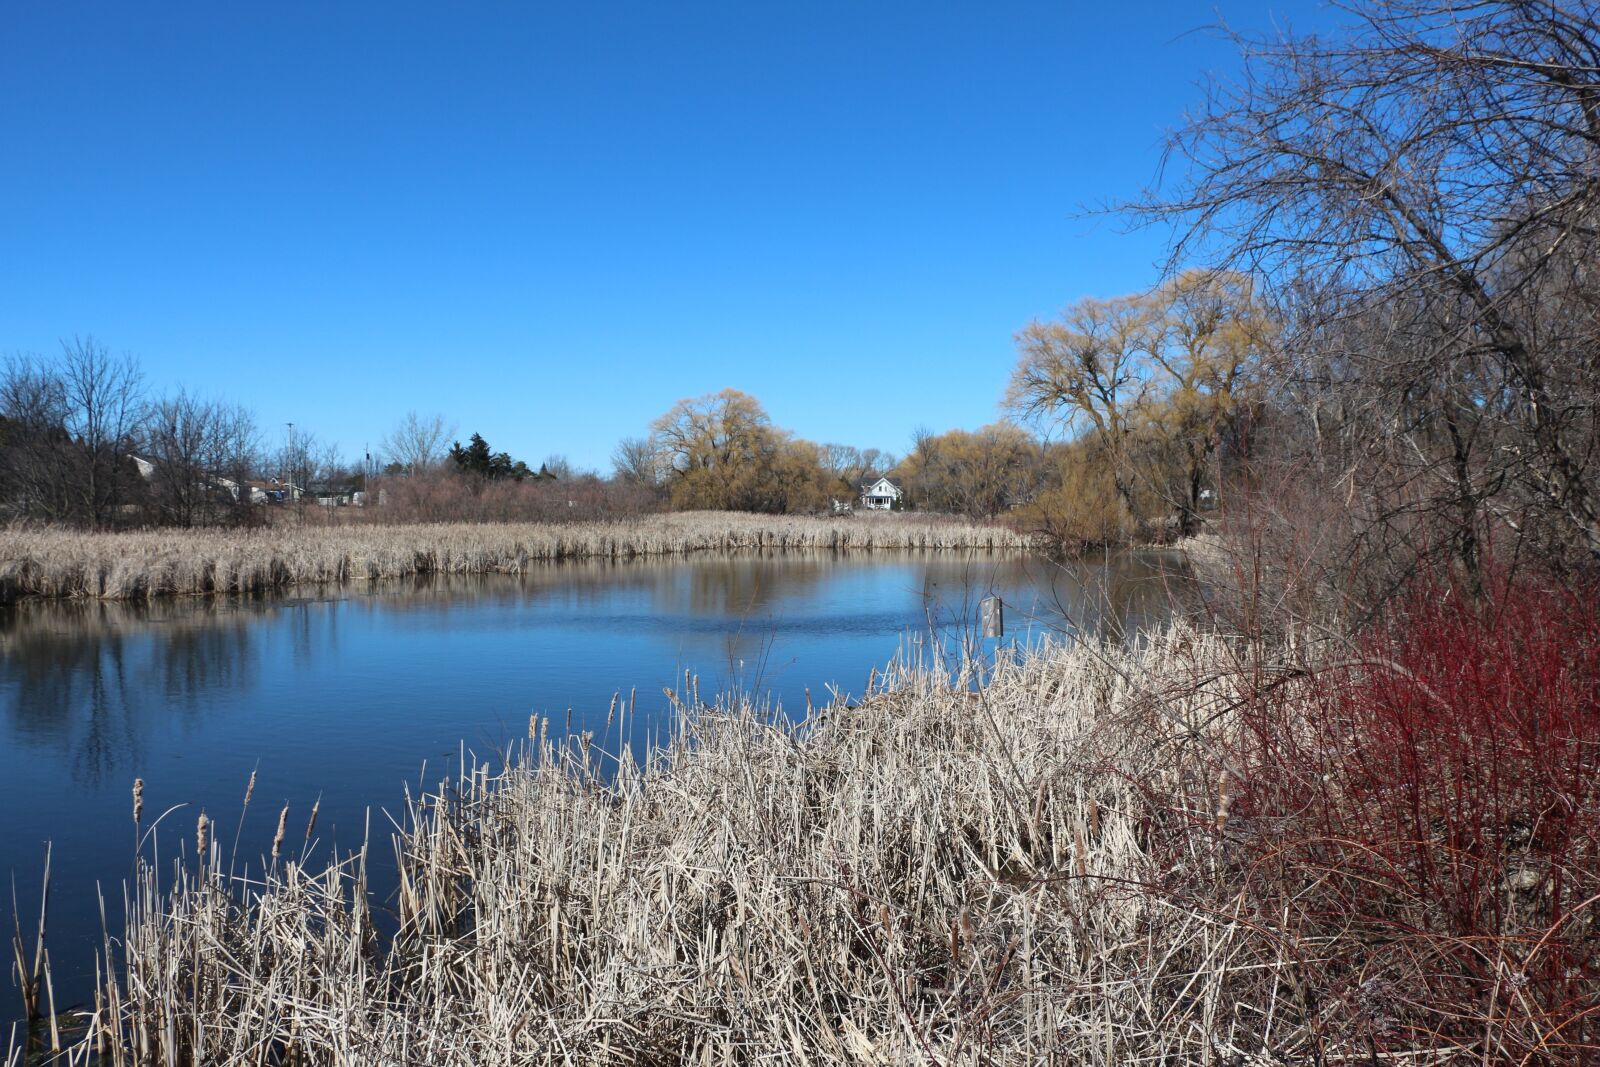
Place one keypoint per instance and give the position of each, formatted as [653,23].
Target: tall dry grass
[142,565]
[955,871]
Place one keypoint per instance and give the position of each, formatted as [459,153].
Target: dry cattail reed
[277,838]
[1224,801]
[148,564]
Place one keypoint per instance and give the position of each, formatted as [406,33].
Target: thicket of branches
[82,443]
[1423,196]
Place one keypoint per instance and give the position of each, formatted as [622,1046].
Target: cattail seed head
[138,799]
[312,823]
[1224,801]
[250,789]
[277,838]
[202,835]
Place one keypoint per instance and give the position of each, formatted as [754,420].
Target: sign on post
[991,614]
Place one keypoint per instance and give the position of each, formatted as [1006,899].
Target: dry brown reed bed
[142,565]
[954,871]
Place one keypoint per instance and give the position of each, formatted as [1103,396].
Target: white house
[881,495]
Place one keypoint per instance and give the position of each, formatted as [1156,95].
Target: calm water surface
[347,694]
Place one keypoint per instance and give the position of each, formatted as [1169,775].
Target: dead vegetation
[135,566]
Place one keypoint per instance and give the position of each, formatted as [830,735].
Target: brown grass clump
[144,565]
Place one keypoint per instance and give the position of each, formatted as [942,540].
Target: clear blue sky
[551,222]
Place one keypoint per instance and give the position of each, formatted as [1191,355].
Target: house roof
[899,487]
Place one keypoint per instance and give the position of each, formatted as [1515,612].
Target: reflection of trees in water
[1116,594]
[196,659]
[720,585]
[738,588]
[95,679]
[732,604]
[87,678]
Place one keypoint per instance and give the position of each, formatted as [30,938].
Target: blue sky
[551,222]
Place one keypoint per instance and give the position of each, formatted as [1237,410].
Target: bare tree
[201,452]
[636,460]
[1434,173]
[850,466]
[1082,370]
[978,473]
[841,462]
[35,448]
[103,395]
[418,443]
[306,463]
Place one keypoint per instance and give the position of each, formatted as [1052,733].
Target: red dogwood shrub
[1423,818]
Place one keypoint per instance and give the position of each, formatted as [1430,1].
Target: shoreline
[148,565]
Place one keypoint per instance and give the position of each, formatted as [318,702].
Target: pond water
[344,695]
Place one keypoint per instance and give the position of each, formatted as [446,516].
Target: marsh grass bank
[61,563]
[939,874]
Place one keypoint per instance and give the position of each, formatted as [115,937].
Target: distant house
[272,492]
[333,496]
[881,494]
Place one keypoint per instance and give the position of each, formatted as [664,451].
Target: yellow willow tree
[722,452]
[1211,334]
[1082,371]
[978,473]
[1148,384]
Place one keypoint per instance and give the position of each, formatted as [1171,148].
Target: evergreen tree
[475,458]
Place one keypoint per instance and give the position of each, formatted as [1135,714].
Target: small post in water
[991,614]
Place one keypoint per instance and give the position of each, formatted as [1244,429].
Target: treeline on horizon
[82,444]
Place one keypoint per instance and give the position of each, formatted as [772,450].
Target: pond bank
[144,565]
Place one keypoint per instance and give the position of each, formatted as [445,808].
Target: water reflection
[81,678]
[88,680]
